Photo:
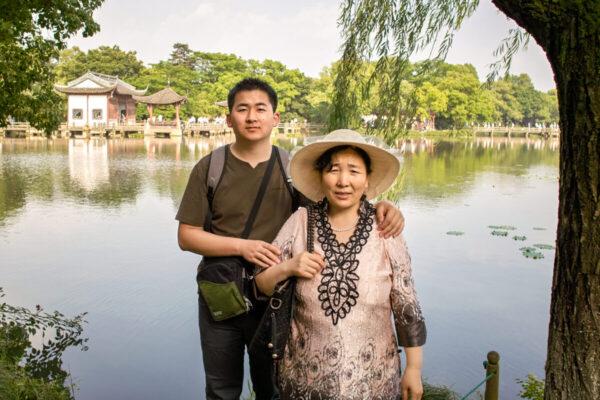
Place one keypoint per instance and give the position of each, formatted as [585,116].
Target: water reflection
[88,163]
[115,172]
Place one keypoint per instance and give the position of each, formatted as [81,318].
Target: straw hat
[307,179]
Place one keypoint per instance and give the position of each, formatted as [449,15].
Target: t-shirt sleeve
[409,321]
[194,204]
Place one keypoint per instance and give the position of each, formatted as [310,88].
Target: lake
[88,226]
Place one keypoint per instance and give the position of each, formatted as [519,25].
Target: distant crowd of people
[206,120]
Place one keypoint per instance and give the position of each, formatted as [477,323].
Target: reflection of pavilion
[164,97]
[88,163]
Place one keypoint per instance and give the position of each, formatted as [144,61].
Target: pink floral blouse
[342,343]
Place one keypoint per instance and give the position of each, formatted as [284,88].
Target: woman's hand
[411,383]
[305,265]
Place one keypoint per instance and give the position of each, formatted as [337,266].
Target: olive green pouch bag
[221,284]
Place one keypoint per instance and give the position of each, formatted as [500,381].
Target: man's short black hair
[252,84]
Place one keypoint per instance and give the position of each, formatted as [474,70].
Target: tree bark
[569,33]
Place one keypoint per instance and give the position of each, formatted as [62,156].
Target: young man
[252,116]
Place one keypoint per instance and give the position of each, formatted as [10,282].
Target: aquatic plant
[500,233]
[544,246]
[521,238]
[531,252]
[502,227]
[455,233]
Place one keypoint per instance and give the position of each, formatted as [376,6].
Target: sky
[301,34]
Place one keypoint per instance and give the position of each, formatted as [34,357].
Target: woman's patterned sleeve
[410,324]
[288,234]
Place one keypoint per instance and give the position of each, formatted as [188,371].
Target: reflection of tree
[19,181]
[447,168]
[123,185]
[12,191]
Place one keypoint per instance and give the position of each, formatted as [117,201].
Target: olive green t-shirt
[234,197]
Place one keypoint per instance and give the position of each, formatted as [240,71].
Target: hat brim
[307,179]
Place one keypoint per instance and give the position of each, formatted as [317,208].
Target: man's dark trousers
[223,347]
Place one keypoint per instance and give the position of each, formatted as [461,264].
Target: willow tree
[569,33]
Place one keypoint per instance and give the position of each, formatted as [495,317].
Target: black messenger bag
[225,283]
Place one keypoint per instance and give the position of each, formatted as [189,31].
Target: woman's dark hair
[252,84]
[323,163]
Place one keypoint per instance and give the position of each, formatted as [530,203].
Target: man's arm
[389,219]
[197,240]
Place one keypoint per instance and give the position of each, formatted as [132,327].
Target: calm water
[89,226]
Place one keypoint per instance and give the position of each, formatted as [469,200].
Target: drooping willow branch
[387,33]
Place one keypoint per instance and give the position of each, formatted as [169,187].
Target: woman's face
[346,180]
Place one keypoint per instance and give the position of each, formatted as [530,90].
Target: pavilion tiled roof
[162,97]
[106,83]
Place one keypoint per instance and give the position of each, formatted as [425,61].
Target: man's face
[252,117]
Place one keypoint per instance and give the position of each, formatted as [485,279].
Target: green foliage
[437,93]
[532,388]
[31,35]
[29,371]
[16,384]
[106,60]
[431,392]
[206,78]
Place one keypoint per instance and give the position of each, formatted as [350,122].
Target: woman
[342,343]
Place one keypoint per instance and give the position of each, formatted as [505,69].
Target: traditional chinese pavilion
[163,97]
[98,99]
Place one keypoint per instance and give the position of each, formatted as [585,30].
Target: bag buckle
[275,303]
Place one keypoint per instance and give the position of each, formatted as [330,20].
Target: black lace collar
[338,290]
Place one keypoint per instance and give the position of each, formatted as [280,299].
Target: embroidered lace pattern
[338,289]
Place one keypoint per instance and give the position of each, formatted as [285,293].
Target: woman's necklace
[345,229]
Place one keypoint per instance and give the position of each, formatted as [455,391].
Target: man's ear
[276,119]
[228,120]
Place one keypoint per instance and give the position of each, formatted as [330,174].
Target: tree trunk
[569,33]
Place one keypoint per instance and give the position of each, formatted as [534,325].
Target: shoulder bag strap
[216,165]
[283,157]
[260,195]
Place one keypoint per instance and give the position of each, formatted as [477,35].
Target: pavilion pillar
[150,108]
[177,114]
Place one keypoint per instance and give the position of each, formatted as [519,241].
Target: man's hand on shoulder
[260,253]
[389,219]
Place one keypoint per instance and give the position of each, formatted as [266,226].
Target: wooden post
[492,366]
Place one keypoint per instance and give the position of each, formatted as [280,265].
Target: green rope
[487,378]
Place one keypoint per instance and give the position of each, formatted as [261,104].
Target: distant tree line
[450,96]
